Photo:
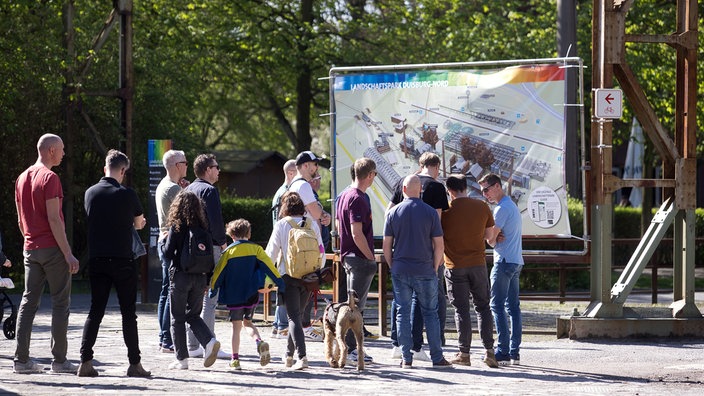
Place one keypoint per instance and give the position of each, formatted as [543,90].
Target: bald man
[413,248]
[47,256]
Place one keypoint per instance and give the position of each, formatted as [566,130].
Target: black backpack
[275,209]
[197,252]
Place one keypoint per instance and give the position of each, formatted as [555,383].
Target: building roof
[244,161]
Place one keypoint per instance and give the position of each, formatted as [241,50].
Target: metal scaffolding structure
[677,149]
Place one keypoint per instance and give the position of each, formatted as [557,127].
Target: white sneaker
[312,334]
[421,356]
[287,360]
[281,334]
[396,353]
[6,283]
[300,364]
[224,355]
[179,364]
[66,367]
[211,352]
[196,353]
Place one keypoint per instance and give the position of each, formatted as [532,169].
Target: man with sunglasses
[207,171]
[508,262]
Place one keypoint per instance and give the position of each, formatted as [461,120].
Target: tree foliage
[239,74]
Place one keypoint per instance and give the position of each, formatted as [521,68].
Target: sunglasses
[214,166]
[486,189]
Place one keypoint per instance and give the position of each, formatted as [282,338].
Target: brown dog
[337,320]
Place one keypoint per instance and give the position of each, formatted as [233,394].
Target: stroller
[10,323]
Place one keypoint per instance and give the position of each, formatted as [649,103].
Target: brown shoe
[490,359]
[85,369]
[136,370]
[461,358]
[443,364]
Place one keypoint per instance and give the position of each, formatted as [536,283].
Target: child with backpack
[188,276]
[291,245]
[239,275]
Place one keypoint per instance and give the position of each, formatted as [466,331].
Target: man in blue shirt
[508,262]
[413,232]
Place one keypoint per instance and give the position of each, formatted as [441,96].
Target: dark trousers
[186,297]
[104,274]
[295,297]
[465,287]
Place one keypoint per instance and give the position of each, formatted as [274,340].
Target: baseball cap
[306,156]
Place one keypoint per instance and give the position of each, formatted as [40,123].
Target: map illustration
[508,121]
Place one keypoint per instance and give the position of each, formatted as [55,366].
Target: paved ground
[548,365]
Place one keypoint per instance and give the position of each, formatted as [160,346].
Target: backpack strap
[292,223]
[293,181]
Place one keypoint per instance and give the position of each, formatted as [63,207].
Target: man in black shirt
[113,213]
[434,194]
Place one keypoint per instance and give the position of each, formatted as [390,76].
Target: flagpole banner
[509,121]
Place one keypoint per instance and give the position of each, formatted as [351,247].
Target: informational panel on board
[508,120]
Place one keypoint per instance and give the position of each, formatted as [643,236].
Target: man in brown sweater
[466,225]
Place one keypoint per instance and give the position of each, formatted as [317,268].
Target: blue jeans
[504,299]
[280,319]
[426,289]
[417,327]
[163,309]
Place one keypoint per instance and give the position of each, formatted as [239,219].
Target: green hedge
[256,211]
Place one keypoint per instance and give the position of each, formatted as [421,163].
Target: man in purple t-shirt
[354,216]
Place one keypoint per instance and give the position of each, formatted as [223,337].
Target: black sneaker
[443,364]
[369,335]
[406,365]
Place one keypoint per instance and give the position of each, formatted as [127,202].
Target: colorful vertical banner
[155,152]
[509,121]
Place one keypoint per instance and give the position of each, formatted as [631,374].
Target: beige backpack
[303,254]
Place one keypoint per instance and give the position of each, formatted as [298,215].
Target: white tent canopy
[633,168]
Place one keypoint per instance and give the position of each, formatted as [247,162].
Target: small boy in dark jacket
[239,275]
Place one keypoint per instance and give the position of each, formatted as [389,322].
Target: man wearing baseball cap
[307,166]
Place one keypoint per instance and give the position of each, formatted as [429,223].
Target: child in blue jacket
[239,275]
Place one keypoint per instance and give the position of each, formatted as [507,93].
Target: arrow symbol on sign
[609,98]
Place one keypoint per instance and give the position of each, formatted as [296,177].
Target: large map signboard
[508,121]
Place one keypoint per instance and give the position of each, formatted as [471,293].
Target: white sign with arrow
[608,103]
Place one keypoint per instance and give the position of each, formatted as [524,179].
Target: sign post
[608,103]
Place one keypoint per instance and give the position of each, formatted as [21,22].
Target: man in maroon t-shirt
[47,255]
[354,221]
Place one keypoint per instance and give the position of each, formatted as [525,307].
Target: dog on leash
[337,320]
